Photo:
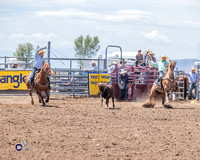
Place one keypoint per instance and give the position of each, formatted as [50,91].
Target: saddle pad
[35,76]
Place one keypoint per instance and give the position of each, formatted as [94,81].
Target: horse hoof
[32,103]
[167,106]
[43,104]
[148,105]
[40,101]
[46,101]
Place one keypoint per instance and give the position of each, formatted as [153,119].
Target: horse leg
[153,94]
[101,101]
[167,98]
[38,97]
[40,94]
[30,93]
[107,101]
[47,94]
[113,101]
[151,102]
[163,99]
[167,105]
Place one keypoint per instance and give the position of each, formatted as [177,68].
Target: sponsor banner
[93,79]
[14,80]
[105,78]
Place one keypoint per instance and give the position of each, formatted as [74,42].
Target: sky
[170,27]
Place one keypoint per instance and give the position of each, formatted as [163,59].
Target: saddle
[35,76]
[160,87]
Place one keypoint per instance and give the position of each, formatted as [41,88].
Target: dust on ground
[80,128]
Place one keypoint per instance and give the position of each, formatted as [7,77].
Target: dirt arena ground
[80,129]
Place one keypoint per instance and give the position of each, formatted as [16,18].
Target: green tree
[24,50]
[86,47]
[37,47]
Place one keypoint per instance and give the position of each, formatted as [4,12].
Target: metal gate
[71,82]
[181,93]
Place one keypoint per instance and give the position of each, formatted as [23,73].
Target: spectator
[15,65]
[113,69]
[122,66]
[193,79]
[123,63]
[123,85]
[151,57]
[94,66]
[139,59]
[147,52]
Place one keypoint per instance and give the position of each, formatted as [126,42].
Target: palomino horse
[41,84]
[168,83]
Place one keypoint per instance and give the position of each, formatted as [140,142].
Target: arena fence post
[198,84]
[5,61]
[48,58]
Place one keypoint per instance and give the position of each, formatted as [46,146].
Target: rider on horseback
[37,64]
[162,66]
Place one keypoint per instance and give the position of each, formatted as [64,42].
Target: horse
[41,84]
[168,83]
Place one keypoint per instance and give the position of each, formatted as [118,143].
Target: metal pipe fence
[71,82]
[70,63]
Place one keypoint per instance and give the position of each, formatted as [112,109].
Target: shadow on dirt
[183,108]
[113,108]
[50,106]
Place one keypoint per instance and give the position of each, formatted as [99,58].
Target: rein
[44,73]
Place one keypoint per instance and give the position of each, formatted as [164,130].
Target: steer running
[106,91]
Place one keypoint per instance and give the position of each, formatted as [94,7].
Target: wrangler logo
[16,79]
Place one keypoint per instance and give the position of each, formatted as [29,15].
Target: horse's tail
[41,87]
[27,77]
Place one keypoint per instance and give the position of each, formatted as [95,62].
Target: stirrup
[30,87]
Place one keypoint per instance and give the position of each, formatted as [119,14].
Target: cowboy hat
[151,53]
[41,52]
[123,60]
[163,56]
[116,62]
[148,50]
[93,62]
[123,71]
[192,69]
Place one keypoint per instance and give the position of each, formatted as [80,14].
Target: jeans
[124,93]
[159,77]
[193,86]
[32,76]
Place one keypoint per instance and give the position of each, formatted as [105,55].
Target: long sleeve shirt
[123,78]
[148,58]
[161,65]
[193,76]
[112,68]
[93,68]
[38,59]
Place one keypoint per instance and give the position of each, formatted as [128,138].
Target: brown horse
[41,84]
[168,83]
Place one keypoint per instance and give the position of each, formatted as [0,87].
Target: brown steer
[106,91]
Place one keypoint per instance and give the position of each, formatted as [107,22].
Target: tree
[24,50]
[86,47]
